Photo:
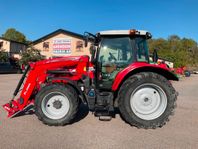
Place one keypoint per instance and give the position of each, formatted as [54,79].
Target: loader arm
[36,74]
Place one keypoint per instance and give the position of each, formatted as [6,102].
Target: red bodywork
[77,66]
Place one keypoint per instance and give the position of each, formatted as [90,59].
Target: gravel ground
[89,133]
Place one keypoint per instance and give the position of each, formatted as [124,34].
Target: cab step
[105,118]
[104,114]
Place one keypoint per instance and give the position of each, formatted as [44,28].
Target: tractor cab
[114,51]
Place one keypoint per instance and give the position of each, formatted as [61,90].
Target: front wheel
[56,105]
[146,100]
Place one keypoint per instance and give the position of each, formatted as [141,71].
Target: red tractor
[118,75]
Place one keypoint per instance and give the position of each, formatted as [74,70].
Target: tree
[13,34]
[182,52]
[31,55]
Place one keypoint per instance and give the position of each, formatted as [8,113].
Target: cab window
[115,50]
[141,49]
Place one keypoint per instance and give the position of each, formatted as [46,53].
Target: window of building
[1,44]
[45,46]
[79,46]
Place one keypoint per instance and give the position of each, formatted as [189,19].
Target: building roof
[12,40]
[56,33]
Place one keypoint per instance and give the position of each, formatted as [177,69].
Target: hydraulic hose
[21,81]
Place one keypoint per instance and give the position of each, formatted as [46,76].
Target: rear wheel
[56,104]
[146,100]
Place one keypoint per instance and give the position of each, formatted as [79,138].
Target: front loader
[119,74]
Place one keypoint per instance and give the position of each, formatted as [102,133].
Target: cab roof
[124,32]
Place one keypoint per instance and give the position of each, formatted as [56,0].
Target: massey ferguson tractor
[118,75]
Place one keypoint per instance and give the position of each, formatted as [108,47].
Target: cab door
[115,54]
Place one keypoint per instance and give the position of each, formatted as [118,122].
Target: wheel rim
[55,105]
[148,101]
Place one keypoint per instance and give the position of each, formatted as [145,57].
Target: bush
[3,56]
[31,55]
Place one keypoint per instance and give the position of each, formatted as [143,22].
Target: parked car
[7,67]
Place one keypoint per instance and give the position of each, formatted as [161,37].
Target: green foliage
[182,52]
[31,55]
[13,34]
[3,56]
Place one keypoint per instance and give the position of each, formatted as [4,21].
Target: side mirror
[92,52]
[86,38]
[155,56]
[148,35]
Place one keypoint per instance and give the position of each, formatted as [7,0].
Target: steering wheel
[112,56]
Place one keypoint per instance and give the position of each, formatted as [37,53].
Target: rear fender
[131,70]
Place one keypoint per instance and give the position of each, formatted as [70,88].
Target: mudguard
[142,67]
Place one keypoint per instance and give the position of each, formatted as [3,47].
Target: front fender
[73,84]
[141,67]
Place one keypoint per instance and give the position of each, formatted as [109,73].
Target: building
[61,43]
[13,48]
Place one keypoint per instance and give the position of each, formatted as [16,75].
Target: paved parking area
[88,132]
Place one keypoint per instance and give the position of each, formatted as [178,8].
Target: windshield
[116,50]
[123,50]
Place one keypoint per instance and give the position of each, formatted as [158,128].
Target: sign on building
[62,46]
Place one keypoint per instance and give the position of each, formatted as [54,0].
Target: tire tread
[75,103]
[138,77]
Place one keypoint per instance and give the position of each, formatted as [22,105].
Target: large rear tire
[56,105]
[146,100]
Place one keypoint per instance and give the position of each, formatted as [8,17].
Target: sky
[36,18]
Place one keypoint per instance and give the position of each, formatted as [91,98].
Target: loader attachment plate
[12,108]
